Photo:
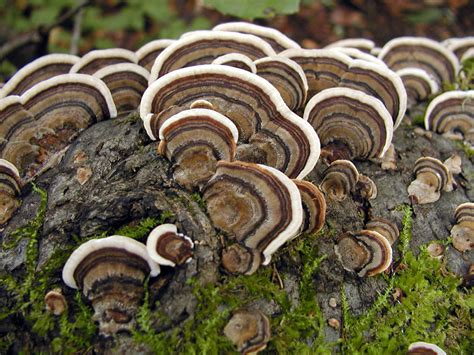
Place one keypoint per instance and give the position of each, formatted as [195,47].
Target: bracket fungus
[339,180]
[422,348]
[249,330]
[355,53]
[127,82]
[275,38]
[254,204]
[239,259]
[202,47]
[194,141]
[55,302]
[451,114]
[367,253]
[350,124]
[459,45]
[384,227]
[111,272]
[423,53]
[431,177]
[100,58]
[168,247]
[41,69]
[463,230]
[147,54]
[287,141]
[419,85]
[10,189]
[314,207]
[362,44]
[236,60]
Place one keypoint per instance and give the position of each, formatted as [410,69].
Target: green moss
[196,197]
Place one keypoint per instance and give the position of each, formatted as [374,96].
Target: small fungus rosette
[110,272]
[168,247]
[339,180]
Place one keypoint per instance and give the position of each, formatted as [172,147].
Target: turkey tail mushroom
[419,85]
[236,60]
[384,227]
[431,177]
[362,44]
[147,54]
[314,207]
[10,190]
[168,247]
[339,180]
[463,229]
[422,348]
[459,45]
[100,58]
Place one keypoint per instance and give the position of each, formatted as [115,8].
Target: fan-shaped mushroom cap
[355,53]
[236,60]
[469,54]
[55,302]
[422,348]
[194,141]
[431,177]
[464,213]
[110,272]
[288,78]
[202,47]
[339,179]
[239,259]
[361,44]
[10,189]
[365,253]
[97,59]
[424,53]
[249,330]
[418,83]
[384,227]
[256,204]
[168,247]
[314,207]
[365,188]
[349,118]
[250,102]
[463,230]
[127,82]
[459,46]
[38,70]
[275,38]
[147,54]
[451,113]
[202,104]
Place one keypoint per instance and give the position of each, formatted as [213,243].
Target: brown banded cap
[348,119]
[431,177]
[275,38]
[10,189]
[194,141]
[366,252]
[459,45]
[355,53]
[127,82]
[249,330]
[168,247]
[464,212]
[339,179]
[424,53]
[202,47]
[385,227]
[250,102]
[365,188]
[314,207]
[239,259]
[423,348]
[55,302]
[287,77]
[451,113]
[468,55]
[419,85]
[257,205]
[147,54]
[41,69]
[97,59]
[362,44]
[463,230]
[236,60]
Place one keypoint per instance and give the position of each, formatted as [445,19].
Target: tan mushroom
[10,189]
[168,247]
[314,207]
[384,227]
[147,54]
[55,302]
[463,229]
[100,58]
[460,45]
[339,180]
[236,60]
[419,85]
[431,177]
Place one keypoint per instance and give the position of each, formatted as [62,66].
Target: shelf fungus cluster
[463,229]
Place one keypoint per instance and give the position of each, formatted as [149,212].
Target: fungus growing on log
[202,47]
[55,302]
[367,253]
[431,177]
[168,247]
[451,114]
[236,60]
[287,77]
[384,227]
[127,82]
[254,105]
[98,59]
[111,272]
[339,180]
[459,45]
[257,205]
[38,70]
[362,44]
[249,330]
[423,53]
[419,85]
[463,230]
[194,141]
[422,348]
[146,55]
[275,38]
[10,189]
[314,207]
[350,124]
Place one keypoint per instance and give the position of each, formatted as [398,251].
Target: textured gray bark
[129,182]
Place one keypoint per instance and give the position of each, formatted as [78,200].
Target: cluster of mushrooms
[243,114]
